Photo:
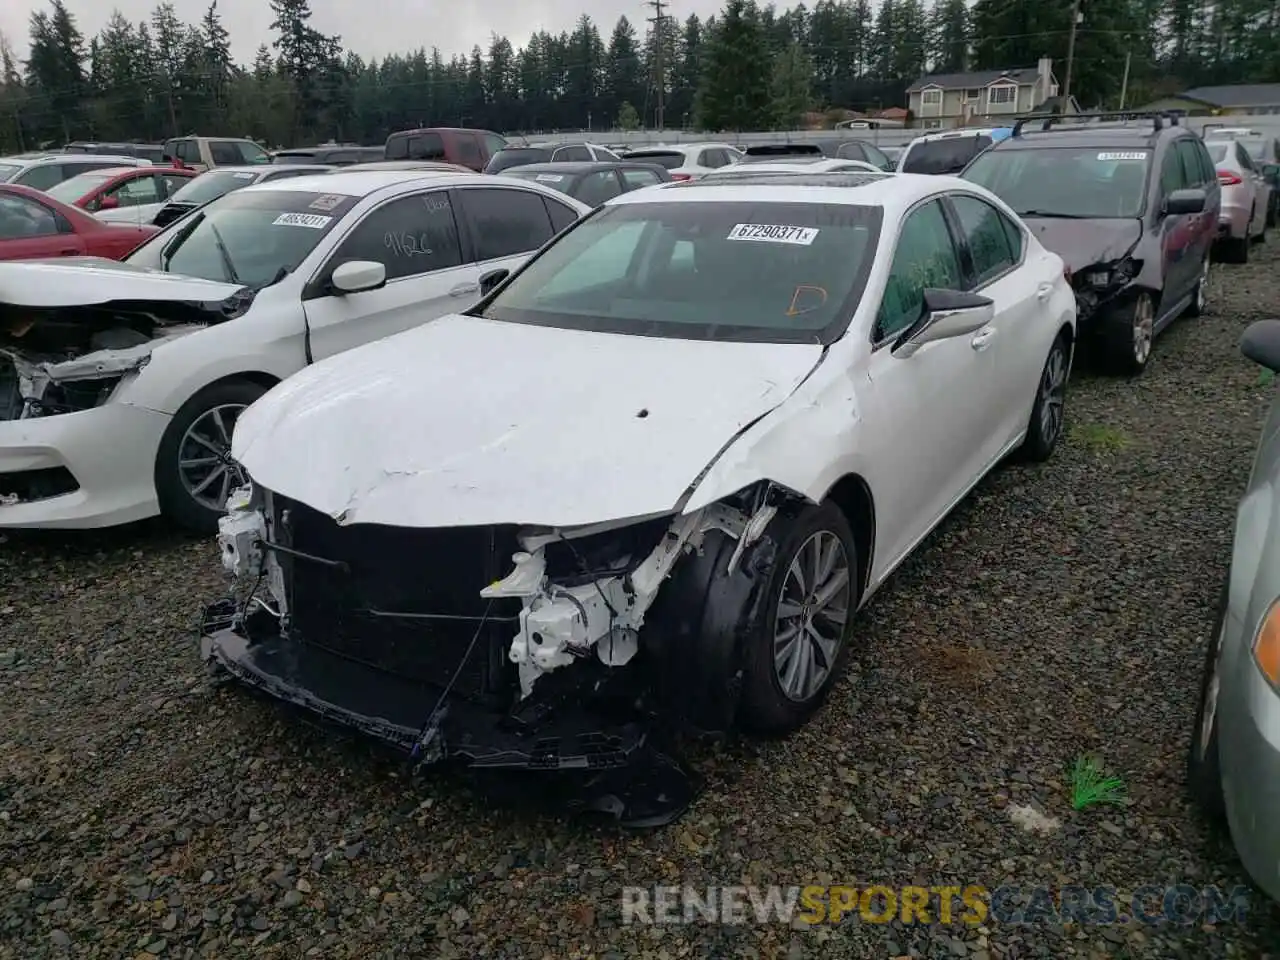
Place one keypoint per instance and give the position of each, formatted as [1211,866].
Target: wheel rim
[1209,716]
[1053,394]
[1143,329]
[1202,295]
[204,457]
[813,608]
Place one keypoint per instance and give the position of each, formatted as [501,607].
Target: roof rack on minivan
[1055,120]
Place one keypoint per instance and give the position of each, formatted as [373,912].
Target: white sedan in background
[687,161]
[676,452]
[120,383]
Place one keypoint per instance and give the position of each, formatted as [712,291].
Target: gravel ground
[144,811]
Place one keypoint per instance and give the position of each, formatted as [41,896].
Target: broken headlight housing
[71,396]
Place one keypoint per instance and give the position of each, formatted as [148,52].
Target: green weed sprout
[1265,377]
[1089,786]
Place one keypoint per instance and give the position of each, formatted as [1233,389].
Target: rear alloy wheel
[1200,296]
[797,647]
[1048,413]
[1204,767]
[1129,333]
[194,471]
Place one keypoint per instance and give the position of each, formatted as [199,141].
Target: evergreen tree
[734,93]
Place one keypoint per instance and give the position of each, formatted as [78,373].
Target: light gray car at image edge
[1233,768]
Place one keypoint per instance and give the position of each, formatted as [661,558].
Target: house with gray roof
[983,97]
[1232,100]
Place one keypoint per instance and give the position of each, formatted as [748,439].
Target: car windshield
[253,238]
[943,156]
[663,158]
[752,271]
[8,171]
[81,185]
[1083,182]
[211,185]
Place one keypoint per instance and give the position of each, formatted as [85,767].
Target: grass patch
[1091,786]
[1266,377]
[1098,437]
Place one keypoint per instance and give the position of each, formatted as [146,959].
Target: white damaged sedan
[121,383]
[652,475]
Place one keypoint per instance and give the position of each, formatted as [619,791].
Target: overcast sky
[372,28]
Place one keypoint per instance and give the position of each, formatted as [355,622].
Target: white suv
[40,171]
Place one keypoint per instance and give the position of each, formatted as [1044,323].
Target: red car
[122,194]
[33,225]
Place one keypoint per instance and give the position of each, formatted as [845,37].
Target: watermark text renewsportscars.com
[969,905]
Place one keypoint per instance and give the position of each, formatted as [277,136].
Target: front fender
[806,445]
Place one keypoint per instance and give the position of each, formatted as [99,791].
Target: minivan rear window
[663,158]
[944,156]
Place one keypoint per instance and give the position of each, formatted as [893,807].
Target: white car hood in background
[81,281]
[466,421]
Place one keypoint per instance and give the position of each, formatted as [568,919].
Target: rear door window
[986,236]
[469,150]
[21,218]
[421,146]
[504,223]
[225,153]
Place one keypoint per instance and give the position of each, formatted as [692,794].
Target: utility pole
[1124,83]
[1071,49]
[659,35]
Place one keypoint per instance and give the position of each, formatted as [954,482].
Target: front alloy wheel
[1128,332]
[813,608]
[794,648]
[204,457]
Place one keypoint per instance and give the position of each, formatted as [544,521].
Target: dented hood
[82,281]
[1082,243]
[468,421]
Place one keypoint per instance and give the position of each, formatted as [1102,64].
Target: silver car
[1234,765]
[1246,199]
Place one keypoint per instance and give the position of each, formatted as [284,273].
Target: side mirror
[1271,171]
[108,203]
[946,314]
[489,282]
[357,276]
[1261,343]
[1185,201]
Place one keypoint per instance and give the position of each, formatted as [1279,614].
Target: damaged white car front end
[75,337]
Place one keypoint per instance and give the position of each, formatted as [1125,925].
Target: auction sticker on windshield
[548,178]
[312,220]
[1122,156]
[773,233]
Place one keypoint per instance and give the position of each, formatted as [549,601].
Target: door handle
[462,289]
[70,252]
[983,339]
[1044,291]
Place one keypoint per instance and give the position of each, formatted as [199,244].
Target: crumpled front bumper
[398,711]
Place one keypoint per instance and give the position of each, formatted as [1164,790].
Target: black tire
[176,502]
[1204,765]
[765,708]
[1043,433]
[1236,249]
[1273,209]
[1119,343]
[1200,295]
